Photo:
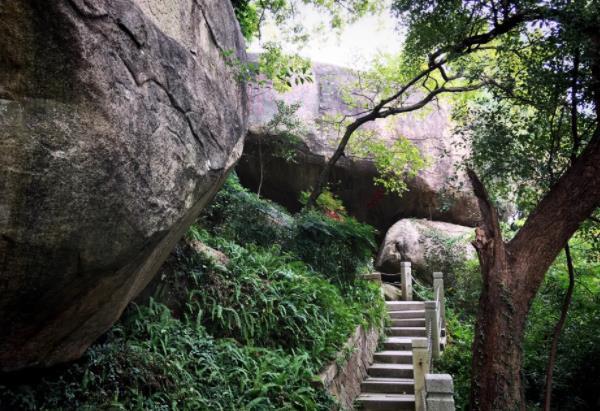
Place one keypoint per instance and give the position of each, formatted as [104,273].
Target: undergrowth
[340,249]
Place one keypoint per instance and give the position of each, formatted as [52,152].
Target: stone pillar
[438,283]
[431,320]
[440,392]
[406,278]
[420,368]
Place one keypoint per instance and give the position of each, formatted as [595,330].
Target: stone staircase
[390,384]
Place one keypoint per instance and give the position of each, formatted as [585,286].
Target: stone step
[408,322]
[390,370]
[398,344]
[407,314]
[386,402]
[406,331]
[388,385]
[393,357]
[404,305]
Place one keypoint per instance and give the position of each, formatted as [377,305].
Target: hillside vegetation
[250,334]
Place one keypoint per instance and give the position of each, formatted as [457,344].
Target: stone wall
[343,376]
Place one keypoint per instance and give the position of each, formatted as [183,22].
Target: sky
[354,47]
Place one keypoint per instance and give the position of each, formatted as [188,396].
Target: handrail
[434,391]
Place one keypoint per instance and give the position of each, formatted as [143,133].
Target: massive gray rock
[433,193]
[119,120]
[429,245]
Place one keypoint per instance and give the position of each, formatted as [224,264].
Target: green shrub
[268,299]
[327,203]
[457,357]
[153,361]
[575,382]
[339,249]
[241,216]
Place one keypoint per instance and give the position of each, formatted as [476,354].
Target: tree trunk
[497,356]
[324,175]
[261,166]
[560,325]
[512,273]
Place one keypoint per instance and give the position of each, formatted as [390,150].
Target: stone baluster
[440,392]
[421,368]
[438,284]
[406,279]
[433,329]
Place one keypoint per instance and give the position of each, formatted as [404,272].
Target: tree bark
[560,325]
[496,377]
[512,273]
[261,166]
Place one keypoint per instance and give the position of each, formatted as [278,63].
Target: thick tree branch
[436,62]
[571,200]
[371,116]
[488,236]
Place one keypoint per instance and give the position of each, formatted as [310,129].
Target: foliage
[287,126]
[268,299]
[280,68]
[284,70]
[242,217]
[457,357]
[251,335]
[575,385]
[153,361]
[341,250]
[396,162]
[252,13]
[338,249]
[327,203]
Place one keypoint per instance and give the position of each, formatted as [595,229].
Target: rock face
[391,292]
[118,122]
[429,245]
[431,194]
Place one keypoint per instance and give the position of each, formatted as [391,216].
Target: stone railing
[433,392]
[406,281]
[435,316]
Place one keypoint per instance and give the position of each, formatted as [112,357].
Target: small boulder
[391,292]
[428,245]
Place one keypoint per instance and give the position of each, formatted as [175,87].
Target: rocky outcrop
[429,245]
[118,122]
[431,194]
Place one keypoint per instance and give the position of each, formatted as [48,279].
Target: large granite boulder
[438,192]
[119,120]
[429,246]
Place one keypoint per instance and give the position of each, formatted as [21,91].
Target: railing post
[420,368]
[406,279]
[438,283]
[433,329]
[440,392]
